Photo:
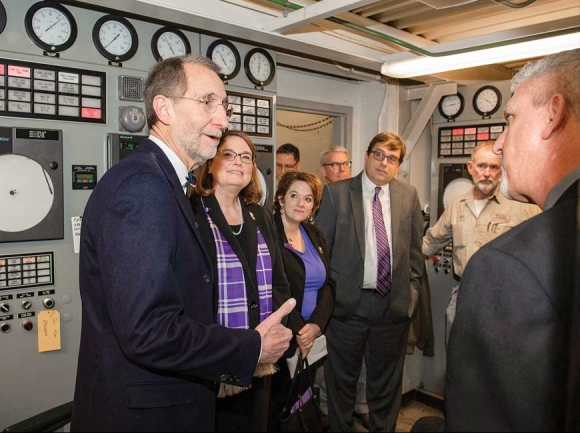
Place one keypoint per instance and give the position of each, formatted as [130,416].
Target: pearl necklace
[242,225]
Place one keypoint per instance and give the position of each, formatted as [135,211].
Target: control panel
[71,106]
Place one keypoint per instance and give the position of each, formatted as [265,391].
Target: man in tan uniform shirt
[473,219]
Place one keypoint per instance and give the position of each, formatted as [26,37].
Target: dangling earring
[310,218]
[281,210]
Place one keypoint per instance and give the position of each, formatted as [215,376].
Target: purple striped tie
[383,249]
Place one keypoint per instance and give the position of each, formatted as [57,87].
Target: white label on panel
[2,81]
[68,111]
[44,109]
[249,119]
[91,91]
[19,95]
[44,98]
[91,102]
[2,104]
[249,110]
[91,80]
[234,99]
[68,100]
[1,93]
[67,77]
[21,83]
[68,88]
[263,112]
[47,86]
[263,129]
[263,103]
[236,108]
[263,121]
[249,128]
[19,107]
[235,127]
[250,101]
[43,74]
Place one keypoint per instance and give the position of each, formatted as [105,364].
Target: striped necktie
[383,249]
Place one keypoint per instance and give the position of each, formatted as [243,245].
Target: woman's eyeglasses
[230,155]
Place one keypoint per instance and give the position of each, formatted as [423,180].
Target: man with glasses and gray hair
[335,164]
[475,218]
[151,353]
[373,225]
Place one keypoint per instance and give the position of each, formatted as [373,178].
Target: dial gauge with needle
[169,42]
[50,26]
[115,38]
[451,106]
[225,55]
[259,67]
[487,100]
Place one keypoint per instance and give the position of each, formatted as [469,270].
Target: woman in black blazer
[249,280]
[305,260]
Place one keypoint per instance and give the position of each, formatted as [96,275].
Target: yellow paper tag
[48,330]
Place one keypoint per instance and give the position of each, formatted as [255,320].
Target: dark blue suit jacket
[150,352]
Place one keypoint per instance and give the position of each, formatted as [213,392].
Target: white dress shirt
[178,165]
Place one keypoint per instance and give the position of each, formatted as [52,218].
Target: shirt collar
[178,165]
[369,186]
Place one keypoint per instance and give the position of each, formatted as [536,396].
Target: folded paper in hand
[317,352]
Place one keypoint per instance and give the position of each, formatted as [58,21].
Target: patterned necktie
[191,180]
[383,249]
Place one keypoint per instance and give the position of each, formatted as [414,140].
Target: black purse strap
[301,367]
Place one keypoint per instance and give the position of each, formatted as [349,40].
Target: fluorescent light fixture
[420,66]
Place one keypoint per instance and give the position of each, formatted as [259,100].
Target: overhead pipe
[419,50]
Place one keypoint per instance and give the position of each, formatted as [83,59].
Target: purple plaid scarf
[232,298]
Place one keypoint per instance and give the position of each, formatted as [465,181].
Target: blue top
[315,275]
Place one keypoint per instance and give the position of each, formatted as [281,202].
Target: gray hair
[565,68]
[168,78]
[324,153]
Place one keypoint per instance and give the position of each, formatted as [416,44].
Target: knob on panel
[48,303]
[5,327]
[27,325]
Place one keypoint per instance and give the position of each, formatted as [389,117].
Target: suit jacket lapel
[356,199]
[396,206]
[183,203]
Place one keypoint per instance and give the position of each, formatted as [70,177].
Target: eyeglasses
[492,168]
[287,167]
[336,165]
[230,155]
[380,156]
[210,105]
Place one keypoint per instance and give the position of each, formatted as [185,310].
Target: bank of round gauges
[169,42]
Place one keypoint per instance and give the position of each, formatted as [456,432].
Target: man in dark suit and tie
[511,349]
[151,354]
[373,226]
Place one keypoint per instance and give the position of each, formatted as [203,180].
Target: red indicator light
[18,71]
[91,113]
[458,131]
[484,136]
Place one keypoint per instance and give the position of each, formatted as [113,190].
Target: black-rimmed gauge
[451,106]
[50,26]
[115,38]
[3,17]
[226,56]
[487,100]
[259,67]
[169,42]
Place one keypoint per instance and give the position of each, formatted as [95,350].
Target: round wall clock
[50,26]
[259,67]
[115,38]
[169,42]
[451,106]
[225,55]
[487,100]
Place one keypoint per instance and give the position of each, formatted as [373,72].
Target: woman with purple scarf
[249,279]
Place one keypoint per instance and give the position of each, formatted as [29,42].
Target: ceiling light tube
[421,66]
